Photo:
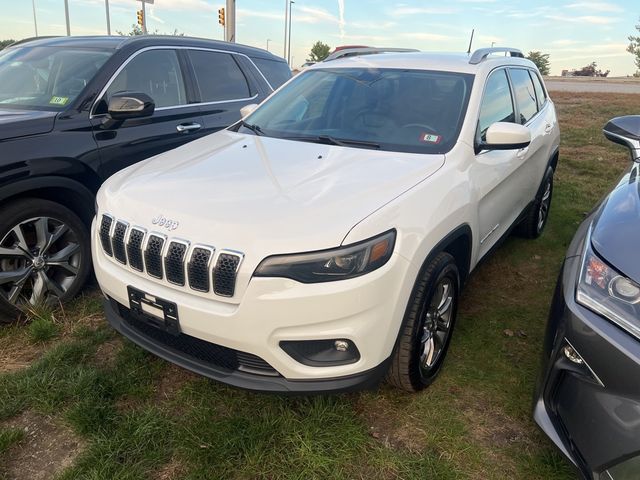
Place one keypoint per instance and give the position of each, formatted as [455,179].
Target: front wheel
[44,255]
[535,221]
[428,326]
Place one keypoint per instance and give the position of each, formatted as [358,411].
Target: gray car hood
[616,229]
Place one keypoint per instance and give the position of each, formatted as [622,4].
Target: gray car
[588,395]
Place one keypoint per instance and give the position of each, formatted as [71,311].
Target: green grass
[141,418]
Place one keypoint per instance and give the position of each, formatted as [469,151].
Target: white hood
[259,195]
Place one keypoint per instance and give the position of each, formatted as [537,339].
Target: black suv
[74,110]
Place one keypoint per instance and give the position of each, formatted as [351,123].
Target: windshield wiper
[254,128]
[342,142]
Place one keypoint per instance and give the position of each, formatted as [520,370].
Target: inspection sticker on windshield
[430,138]
[59,100]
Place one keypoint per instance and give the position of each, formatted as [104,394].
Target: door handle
[188,127]
[522,152]
[548,128]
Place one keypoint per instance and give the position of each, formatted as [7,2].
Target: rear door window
[274,71]
[497,103]
[525,94]
[541,97]
[156,73]
[218,76]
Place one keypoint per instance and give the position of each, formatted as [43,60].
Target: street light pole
[35,21]
[144,17]
[268,40]
[66,17]
[106,6]
[286,16]
[291,2]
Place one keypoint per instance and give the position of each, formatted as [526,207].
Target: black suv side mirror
[625,131]
[130,105]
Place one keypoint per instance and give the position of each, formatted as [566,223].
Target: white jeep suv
[321,243]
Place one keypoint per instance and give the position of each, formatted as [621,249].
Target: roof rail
[358,51]
[482,53]
[25,40]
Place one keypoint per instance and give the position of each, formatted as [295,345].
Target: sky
[574,33]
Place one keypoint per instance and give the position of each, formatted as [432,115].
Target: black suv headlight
[329,265]
[609,293]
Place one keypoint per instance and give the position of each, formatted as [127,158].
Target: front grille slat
[224,276]
[198,269]
[105,234]
[153,256]
[134,249]
[200,266]
[174,262]
[117,242]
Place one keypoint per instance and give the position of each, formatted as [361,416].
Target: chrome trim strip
[92,113]
[584,362]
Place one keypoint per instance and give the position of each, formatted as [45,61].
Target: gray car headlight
[609,293]
[330,265]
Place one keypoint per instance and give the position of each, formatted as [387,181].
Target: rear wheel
[535,221]
[426,334]
[44,255]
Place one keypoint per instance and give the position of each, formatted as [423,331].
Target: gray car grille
[152,253]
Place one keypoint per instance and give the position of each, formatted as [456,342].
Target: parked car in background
[75,110]
[588,396]
[322,241]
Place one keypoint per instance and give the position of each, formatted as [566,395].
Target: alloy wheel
[39,261]
[545,203]
[436,326]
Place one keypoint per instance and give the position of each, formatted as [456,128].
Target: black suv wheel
[44,255]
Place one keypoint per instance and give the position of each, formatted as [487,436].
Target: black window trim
[538,110]
[104,89]
[253,91]
[514,104]
[533,73]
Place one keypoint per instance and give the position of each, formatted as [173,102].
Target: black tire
[536,219]
[409,370]
[49,264]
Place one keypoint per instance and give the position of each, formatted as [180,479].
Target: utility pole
[268,40]
[286,16]
[66,17]
[144,18]
[231,21]
[35,21]
[106,6]
[291,2]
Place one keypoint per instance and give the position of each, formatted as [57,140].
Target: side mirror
[247,109]
[506,136]
[130,105]
[625,131]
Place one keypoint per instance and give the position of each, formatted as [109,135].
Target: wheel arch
[458,243]
[65,191]
[553,160]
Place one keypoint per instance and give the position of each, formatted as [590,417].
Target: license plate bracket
[154,311]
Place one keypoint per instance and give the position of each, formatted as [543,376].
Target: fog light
[322,353]
[572,355]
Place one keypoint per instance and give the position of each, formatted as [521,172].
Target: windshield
[46,78]
[388,109]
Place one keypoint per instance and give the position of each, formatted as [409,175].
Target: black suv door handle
[188,127]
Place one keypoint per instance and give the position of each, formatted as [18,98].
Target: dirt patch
[394,432]
[173,470]
[172,380]
[106,352]
[16,353]
[46,449]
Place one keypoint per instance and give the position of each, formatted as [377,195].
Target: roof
[142,41]
[450,62]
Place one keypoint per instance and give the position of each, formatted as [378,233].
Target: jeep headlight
[329,265]
[606,291]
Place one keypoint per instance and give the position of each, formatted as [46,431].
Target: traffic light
[221,16]
[140,16]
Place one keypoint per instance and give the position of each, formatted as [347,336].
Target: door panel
[157,73]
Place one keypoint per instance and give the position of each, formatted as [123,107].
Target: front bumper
[366,310]
[590,411]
